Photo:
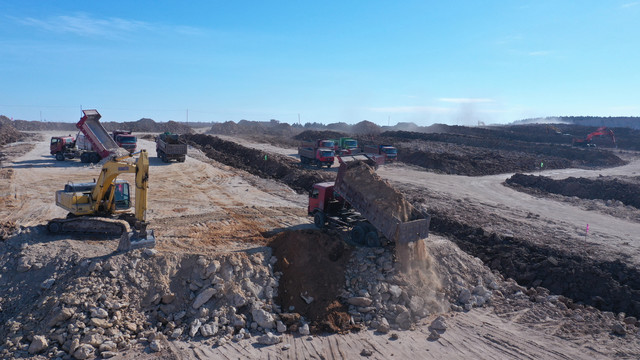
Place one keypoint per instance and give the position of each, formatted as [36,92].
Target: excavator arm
[110,171]
[142,183]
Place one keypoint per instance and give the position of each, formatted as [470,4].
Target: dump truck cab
[61,143]
[319,196]
[390,152]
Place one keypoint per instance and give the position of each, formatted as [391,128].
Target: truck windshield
[328,144]
[390,150]
[351,144]
[327,153]
[127,139]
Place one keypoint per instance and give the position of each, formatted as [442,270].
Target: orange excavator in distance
[586,142]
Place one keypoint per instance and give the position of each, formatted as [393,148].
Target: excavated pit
[313,267]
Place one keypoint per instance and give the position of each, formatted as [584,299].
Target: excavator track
[88,225]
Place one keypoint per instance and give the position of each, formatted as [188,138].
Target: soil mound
[245,127]
[149,125]
[609,189]
[487,154]
[313,135]
[313,271]
[270,166]
[377,191]
[8,133]
[365,128]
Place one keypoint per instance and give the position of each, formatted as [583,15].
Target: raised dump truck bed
[95,133]
[362,201]
[384,207]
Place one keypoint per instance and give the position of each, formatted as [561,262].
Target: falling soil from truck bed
[312,265]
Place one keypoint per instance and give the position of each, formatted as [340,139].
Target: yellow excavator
[102,207]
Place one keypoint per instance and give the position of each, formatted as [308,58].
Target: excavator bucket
[136,240]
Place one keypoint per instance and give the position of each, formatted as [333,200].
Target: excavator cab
[121,195]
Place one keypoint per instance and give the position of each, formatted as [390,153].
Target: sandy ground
[201,196]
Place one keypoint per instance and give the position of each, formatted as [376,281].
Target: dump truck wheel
[95,158]
[358,234]
[54,227]
[318,219]
[328,166]
[59,156]
[372,239]
[84,158]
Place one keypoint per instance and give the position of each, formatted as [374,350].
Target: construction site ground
[203,208]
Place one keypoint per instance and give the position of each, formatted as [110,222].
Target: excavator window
[122,198]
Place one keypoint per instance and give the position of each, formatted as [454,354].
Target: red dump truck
[319,153]
[125,140]
[368,206]
[92,144]
[389,152]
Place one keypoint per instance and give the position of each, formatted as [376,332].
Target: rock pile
[383,298]
[142,298]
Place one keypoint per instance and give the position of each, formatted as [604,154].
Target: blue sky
[453,62]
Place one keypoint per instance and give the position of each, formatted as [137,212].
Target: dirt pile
[142,125]
[313,135]
[376,191]
[313,270]
[149,125]
[604,189]
[365,128]
[474,155]
[8,133]
[245,127]
[270,166]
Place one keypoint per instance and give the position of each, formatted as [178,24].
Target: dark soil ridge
[609,286]
[583,188]
[606,285]
[577,156]
[259,163]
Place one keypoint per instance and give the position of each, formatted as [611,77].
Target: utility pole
[187,117]
[299,119]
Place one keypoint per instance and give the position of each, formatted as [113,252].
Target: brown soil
[474,155]
[270,166]
[313,135]
[312,265]
[377,191]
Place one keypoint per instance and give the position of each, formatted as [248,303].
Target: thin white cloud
[466,100]
[539,53]
[85,25]
[631,4]
[411,109]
